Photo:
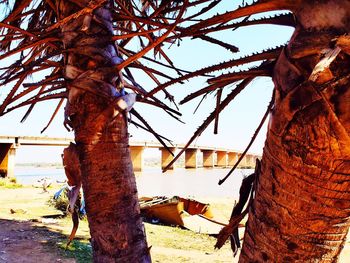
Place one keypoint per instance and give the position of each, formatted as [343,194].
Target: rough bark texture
[301,209]
[117,232]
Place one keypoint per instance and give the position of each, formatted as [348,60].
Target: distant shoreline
[153,162]
[40,165]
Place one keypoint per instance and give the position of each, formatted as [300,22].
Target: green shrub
[61,202]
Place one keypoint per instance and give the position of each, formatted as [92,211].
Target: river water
[152,182]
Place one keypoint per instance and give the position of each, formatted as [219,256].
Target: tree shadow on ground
[26,241]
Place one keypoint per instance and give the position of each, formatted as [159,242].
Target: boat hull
[184,212]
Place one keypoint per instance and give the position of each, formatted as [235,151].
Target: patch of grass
[10,183]
[78,249]
[178,238]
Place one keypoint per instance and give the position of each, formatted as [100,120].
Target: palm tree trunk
[116,228]
[301,209]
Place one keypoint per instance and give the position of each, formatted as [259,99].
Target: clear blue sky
[237,122]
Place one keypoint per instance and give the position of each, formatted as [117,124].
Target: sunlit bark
[302,205]
[117,232]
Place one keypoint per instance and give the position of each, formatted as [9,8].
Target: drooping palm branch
[30,38]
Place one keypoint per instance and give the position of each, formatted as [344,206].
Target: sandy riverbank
[33,233]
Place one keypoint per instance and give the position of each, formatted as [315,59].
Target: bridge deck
[51,141]
[224,157]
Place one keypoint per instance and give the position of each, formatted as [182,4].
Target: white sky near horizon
[237,122]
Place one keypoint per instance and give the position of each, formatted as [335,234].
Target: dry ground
[35,233]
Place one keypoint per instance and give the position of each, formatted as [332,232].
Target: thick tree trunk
[301,210]
[117,232]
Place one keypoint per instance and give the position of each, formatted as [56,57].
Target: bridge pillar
[221,158]
[167,157]
[242,163]
[191,158]
[232,158]
[254,159]
[136,153]
[208,158]
[7,160]
[251,160]
[248,159]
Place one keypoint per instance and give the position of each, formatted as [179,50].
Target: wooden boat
[184,212]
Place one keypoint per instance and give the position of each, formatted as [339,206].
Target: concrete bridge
[212,157]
